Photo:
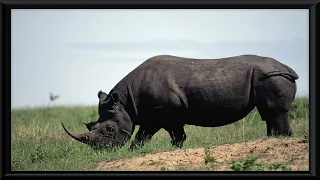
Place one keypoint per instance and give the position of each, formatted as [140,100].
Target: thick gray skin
[169,92]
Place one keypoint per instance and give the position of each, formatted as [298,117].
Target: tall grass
[40,143]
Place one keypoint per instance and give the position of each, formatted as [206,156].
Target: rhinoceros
[170,92]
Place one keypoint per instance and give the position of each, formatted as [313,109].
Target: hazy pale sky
[75,53]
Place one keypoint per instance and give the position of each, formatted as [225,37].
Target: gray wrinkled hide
[169,92]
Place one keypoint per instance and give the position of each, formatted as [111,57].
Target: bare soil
[291,152]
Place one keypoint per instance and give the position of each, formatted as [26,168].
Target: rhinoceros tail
[292,76]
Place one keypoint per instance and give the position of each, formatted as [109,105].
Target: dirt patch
[291,152]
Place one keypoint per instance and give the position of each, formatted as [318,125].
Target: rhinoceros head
[114,131]
[105,102]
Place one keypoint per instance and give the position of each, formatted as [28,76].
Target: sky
[76,53]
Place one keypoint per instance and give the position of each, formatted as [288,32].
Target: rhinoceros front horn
[79,137]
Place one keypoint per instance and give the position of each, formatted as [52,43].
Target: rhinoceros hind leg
[278,125]
[275,96]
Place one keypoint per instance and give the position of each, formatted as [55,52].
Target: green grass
[39,142]
[249,164]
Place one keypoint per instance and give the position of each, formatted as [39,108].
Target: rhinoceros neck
[127,99]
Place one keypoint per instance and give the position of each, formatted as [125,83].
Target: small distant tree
[53,97]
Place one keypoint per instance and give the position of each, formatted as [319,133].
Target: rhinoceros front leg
[178,136]
[143,135]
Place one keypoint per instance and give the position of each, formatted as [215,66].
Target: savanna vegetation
[39,142]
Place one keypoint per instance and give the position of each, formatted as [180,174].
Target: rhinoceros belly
[216,116]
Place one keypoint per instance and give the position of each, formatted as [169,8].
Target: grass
[208,158]
[249,164]
[39,142]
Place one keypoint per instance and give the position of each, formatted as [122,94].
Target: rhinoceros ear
[102,96]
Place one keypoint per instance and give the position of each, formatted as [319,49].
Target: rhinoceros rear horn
[79,137]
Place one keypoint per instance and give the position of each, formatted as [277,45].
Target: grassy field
[39,142]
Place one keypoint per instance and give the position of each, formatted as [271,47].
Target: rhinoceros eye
[110,129]
[107,132]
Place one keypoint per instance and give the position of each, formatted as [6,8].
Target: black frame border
[5,15]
